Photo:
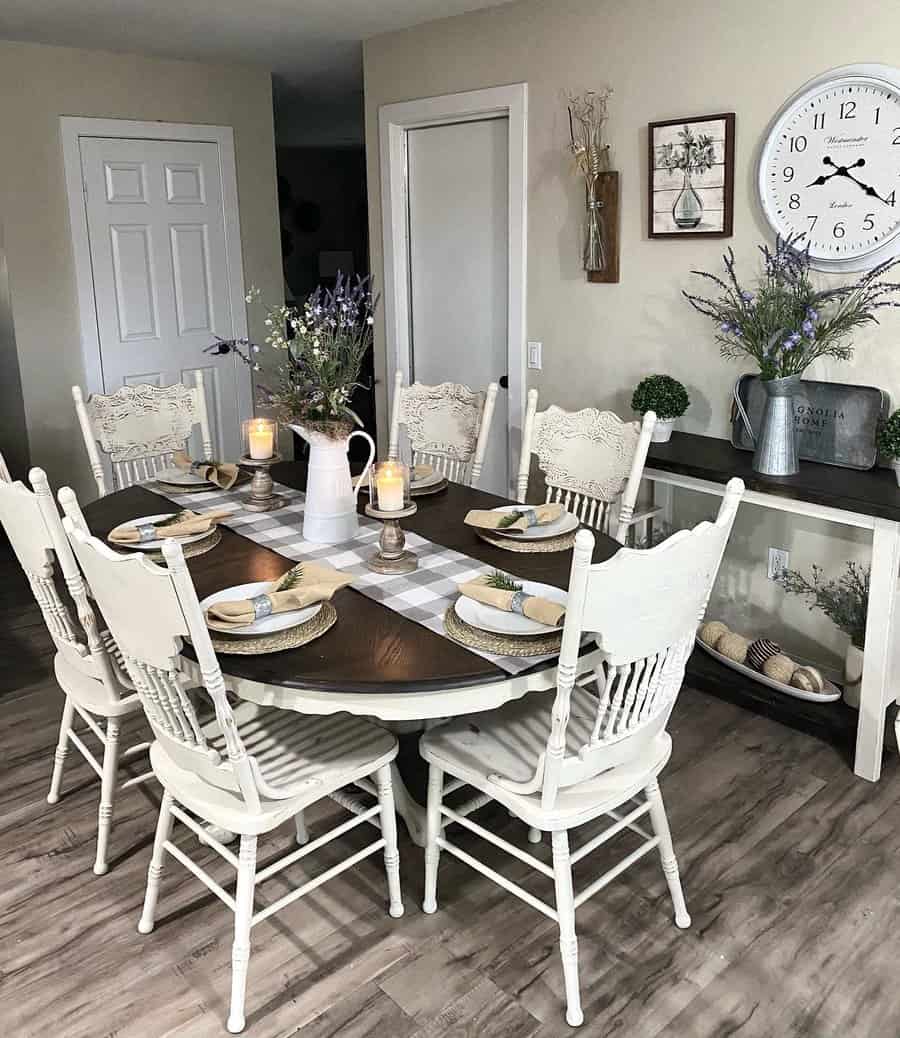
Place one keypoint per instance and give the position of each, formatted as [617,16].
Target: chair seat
[90,693]
[508,742]
[314,755]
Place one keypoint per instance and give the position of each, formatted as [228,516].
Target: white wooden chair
[448,426]
[250,770]
[139,428]
[590,459]
[86,663]
[597,749]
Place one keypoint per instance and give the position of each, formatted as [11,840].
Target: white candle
[389,485]
[261,439]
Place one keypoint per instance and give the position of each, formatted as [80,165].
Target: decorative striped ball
[710,633]
[760,651]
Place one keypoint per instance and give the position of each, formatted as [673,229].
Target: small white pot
[895,465]
[662,431]
[853,671]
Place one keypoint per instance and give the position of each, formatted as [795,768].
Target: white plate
[829,695]
[498,621]
[426,481]
[158,543]
[268,624]
[566,523]
[179,478]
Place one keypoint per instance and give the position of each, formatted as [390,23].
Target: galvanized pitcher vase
[776,442]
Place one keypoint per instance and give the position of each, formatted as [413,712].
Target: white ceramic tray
[830,695]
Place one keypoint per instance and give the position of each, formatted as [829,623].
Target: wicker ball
[779,668]
[710,633]
[809,679]
[760,651]
[734,646]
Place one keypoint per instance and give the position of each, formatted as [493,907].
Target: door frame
[395,121]
[72,129]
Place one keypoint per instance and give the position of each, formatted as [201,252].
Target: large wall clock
[829,167]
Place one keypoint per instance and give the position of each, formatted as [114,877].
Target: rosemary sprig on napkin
[288,581]
[502,582]
[509,519]
[178,517]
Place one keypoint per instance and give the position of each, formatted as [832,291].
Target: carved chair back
[35,531]
[139,428]
[592,461]
[644,607]
[151,609]
[448,426]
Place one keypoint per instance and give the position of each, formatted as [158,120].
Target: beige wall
[38,84]
[664,60]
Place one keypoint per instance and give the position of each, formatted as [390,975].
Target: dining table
[374,661]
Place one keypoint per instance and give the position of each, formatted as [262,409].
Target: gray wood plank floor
[789,863]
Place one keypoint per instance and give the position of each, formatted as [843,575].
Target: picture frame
[690,183]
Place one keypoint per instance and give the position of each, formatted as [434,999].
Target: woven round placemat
[561,543]
[501,644]
[292,638]
[191,551]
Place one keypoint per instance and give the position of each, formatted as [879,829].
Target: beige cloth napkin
[184,524]
[223,474]
[302,586]
[539,515]
[532,606]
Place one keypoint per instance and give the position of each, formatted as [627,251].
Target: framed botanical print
[691,177]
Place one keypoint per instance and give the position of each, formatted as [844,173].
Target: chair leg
[240,949]
[300,824]
[62,750]
[433,831]
[163,832]
[107,794]
[667,854]
[568,944]
[389,832]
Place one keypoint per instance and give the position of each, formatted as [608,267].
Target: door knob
[504,381]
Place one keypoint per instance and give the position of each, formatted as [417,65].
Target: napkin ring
[530,516]
[517,602]
[147,532]
[262,606]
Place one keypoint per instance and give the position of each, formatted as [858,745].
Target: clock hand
[839,171]
[868,190]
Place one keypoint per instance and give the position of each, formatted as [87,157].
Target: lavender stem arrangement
[787,322]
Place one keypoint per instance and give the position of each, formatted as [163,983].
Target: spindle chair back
[137,429]
[592,462]
[448,426]
[87,664]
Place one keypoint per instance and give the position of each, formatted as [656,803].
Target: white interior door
[458,184]
[157,240]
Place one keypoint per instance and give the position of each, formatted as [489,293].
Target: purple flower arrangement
[788,322]
[323,346]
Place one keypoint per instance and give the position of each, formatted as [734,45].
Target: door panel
[459,255]
[157,239]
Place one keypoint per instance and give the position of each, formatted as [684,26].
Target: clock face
[830,170]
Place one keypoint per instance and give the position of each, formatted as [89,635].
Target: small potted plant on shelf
[845,602]
[664,395]
[889,442]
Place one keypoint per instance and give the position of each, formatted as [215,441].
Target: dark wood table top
[871,492]
[371,648]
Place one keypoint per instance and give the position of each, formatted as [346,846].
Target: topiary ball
[711,632]
[779,668]
[662,394]
[733,646]
[761,650]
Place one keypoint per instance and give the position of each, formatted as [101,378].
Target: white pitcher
[330,510]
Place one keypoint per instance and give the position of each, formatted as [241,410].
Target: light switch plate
[535,362]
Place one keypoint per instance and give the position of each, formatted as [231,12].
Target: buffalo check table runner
[423,595]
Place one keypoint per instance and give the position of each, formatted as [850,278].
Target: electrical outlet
[534,355]
[779,561]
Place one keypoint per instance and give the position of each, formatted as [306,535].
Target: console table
[869,500]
